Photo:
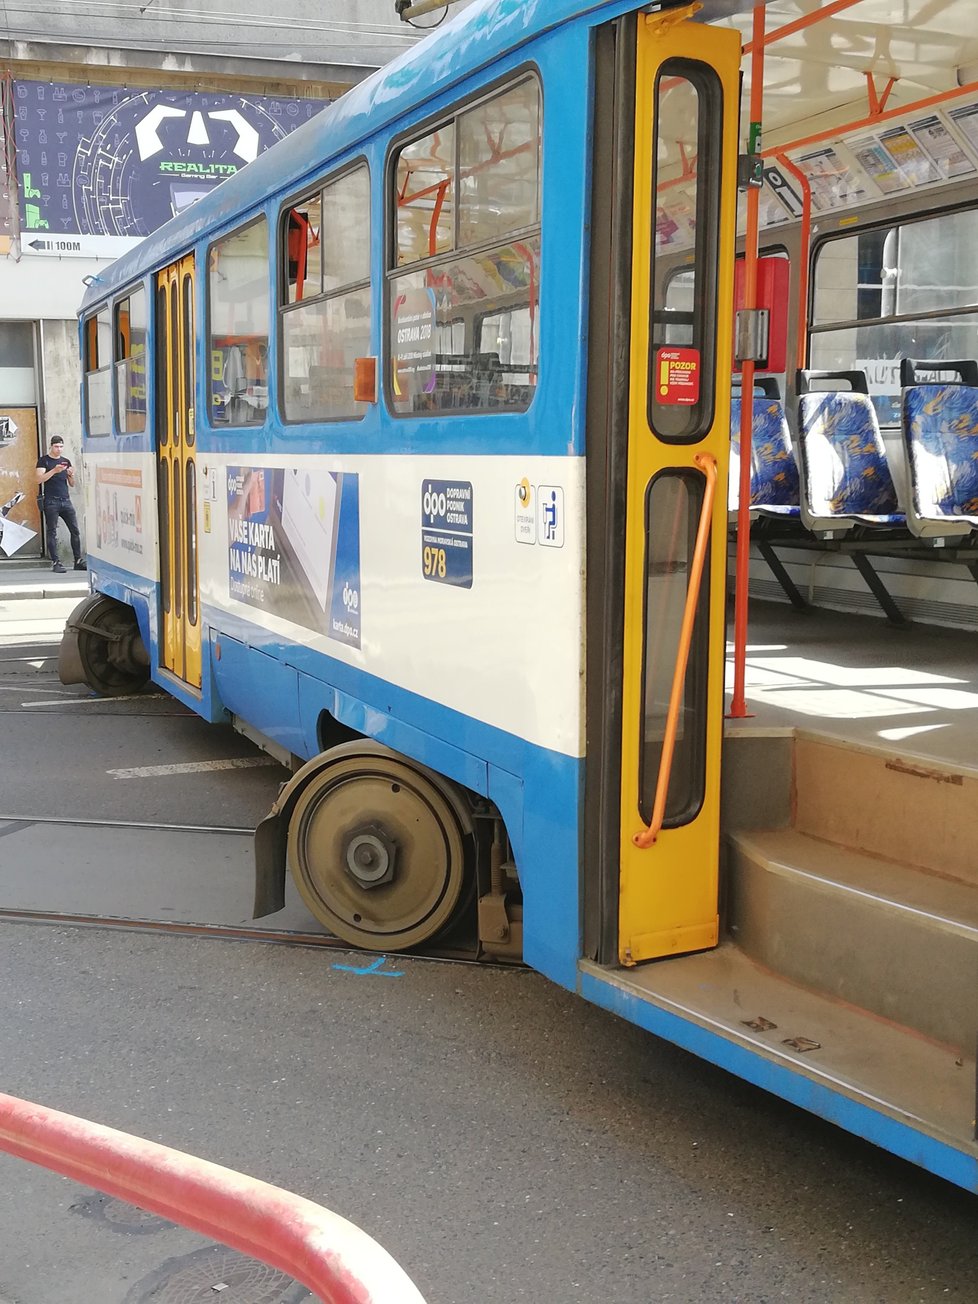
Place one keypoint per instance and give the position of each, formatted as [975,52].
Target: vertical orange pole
[806,255]
[738,704]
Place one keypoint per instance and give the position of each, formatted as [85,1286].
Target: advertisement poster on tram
[119,514]
[19,516]
[294,546]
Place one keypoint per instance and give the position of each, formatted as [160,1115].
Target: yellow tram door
[180,642]
[683,232]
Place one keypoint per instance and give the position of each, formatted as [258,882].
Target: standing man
[55,477]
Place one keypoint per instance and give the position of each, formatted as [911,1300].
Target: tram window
[326,330]
[98,374]
[464,324]
[512,337]
[438,364]
[163,493]
[425,184]
[238,303]
[188,357]
[130,362]
[673,506]
[907,290]
[304,275]
[686,177]
[162,388]
[499,165]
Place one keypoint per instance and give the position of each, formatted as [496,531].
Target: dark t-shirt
[57,486]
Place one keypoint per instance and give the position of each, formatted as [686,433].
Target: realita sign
[105,161]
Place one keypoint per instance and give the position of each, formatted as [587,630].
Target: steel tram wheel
[377,850]
[106,650]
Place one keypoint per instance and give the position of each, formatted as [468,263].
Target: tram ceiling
[830,65]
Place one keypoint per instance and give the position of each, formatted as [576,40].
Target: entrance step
[920,812]
[722,1003]
[886,936]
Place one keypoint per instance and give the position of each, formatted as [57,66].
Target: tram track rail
[219,932]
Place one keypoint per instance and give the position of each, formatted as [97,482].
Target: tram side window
[238,303]
[907,290]
[98,374]
[464,296]
[326,316]
[130,362]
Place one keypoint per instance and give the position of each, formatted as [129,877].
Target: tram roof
[832,67]
[473,39]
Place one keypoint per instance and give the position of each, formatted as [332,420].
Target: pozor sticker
[677,376]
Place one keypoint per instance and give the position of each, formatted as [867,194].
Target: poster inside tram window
[20,520]
[294,546]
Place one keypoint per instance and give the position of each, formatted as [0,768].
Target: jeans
[53,509]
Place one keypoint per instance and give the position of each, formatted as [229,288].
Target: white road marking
[192,767]
[90,701]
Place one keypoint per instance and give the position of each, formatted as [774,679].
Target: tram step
[722,1003]
[921,812]
[883,935]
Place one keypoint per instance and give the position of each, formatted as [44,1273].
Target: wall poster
[99,167]
[20,520]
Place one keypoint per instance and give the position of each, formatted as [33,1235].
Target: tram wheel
[108,647]
[377,850]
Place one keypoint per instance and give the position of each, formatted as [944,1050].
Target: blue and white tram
[407,450]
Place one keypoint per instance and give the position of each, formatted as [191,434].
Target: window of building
[130,362]
[238,304]
[98,374]
[900,291]
[326,312]
[464,294]
[18,387]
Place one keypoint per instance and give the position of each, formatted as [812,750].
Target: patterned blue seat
[774,474]
[940,427]
[846,477]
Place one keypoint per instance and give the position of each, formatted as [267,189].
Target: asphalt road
[503,1140]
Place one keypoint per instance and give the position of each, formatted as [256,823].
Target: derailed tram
[414,451]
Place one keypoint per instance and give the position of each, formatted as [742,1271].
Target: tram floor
[861,680]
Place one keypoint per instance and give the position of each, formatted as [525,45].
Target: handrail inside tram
[646,837]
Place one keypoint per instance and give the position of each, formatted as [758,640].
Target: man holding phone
[55,477]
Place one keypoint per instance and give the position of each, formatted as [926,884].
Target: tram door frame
[176,440]
[647,480]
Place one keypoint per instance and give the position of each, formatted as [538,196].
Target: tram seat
[774,486]
[845,476]
[940,430]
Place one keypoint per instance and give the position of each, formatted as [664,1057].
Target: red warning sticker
[677,375]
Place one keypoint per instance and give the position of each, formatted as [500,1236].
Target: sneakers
[58,568]
[80,565]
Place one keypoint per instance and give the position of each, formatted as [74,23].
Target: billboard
[100,167]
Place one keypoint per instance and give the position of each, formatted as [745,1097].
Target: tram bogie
[103,647]
[427,488]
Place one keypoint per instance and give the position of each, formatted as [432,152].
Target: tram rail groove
[239,933]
